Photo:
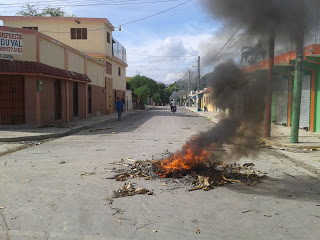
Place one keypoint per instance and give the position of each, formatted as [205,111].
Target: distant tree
[252,54]
[55,12]
[156,98]
[142,93]
[28,10]
[31,10]
[139,81]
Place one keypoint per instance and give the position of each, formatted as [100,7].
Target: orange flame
[185,159]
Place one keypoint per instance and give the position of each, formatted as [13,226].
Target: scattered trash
[267,215]
[246,211]
[280,226]
[197,230]
[154,231]
[27,180]
[2,207]
[62,162]
[128,190]
[13,217]
[121,162]
[86,174]
[203,176]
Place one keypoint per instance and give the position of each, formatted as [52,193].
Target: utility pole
[297,88]
[267,118]
[199,104]
[188,88]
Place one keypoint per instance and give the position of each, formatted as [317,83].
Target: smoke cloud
[242,96]
[286,16]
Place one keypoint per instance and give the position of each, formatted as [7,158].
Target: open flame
[183,160]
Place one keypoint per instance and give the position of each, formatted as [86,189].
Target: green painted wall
[316,67]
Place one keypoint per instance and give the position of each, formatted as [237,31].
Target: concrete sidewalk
[279,134]
[304,154]
[32,133]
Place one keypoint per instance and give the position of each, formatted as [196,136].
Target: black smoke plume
[286,16]
[241,96]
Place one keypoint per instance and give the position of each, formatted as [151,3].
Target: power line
[230,38]
[109,4]
[226,50]
[155,14]
[86,3]
[159,56]
[141,19]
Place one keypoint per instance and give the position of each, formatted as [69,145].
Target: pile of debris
[128,190]
[206,175]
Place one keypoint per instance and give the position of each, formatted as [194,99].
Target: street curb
[60,134]
[288,145]
[270,142]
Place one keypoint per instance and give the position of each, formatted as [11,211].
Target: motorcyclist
[172,104]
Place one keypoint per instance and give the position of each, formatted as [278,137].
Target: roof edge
[69,19]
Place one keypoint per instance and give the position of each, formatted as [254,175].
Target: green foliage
[139,81]
[144,87]
[252,54]
[28,10]
[156,98]
[142,93]
[31,10]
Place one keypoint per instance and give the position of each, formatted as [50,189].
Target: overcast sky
[178,35]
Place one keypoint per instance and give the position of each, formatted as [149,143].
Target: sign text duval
[10,43]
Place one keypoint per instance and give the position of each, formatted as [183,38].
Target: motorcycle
[174,109]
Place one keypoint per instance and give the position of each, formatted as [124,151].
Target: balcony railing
[119,51]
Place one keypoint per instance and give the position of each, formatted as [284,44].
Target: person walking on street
[119,106]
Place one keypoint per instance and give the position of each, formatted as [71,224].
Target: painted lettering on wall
[10,43]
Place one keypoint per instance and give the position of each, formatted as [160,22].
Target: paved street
[59,190]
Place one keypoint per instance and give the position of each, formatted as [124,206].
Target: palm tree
[252,54]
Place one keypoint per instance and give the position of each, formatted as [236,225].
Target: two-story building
[43,80]
[92,36]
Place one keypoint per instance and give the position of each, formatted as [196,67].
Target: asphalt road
[43,196]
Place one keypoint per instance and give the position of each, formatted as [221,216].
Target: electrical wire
[141,19]
[159,56]
[230,38]
[89,3]
[138,20]
[212,62]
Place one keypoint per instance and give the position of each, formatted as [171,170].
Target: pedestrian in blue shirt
[119,107]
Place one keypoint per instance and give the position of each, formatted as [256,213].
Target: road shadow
[300,188]
[134,121]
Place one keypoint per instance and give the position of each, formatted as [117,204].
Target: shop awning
[37,68]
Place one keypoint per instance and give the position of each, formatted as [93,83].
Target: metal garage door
[11,100]
[305,102]
[281,97]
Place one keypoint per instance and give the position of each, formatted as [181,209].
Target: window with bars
[32,28]
[78,33]
[108,68]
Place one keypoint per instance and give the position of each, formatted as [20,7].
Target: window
[32,28]
[78,33]
[108,68]
[119,71]
[108,37]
